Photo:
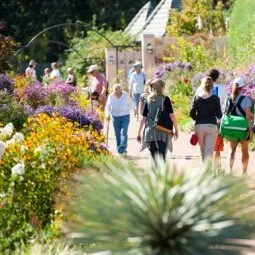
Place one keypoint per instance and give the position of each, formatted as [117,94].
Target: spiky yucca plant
[55,248]
[163,211]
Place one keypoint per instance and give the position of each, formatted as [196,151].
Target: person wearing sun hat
[243,108]
[99,83]
[30,71]
[137,82]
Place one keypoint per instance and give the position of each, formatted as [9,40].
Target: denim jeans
[137,100]
[120,125]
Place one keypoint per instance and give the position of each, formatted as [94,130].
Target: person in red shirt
[99,83]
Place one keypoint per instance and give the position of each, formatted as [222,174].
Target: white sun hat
[93,68]
[240,82]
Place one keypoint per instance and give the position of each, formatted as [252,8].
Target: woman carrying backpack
[155,137]
[239,105]
[204,110]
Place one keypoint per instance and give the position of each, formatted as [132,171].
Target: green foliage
[12,111]
[198,16]
[7,49]
[25,21]
[163,210]
[197,50]
[93,46]
[241,34]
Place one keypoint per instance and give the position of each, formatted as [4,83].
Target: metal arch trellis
[57,26]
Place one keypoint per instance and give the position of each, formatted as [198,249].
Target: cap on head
[93,68]
[138,64]
[240,82]
[32,62]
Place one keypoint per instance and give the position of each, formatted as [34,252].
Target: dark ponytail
[235,92]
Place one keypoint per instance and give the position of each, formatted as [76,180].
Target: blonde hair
[207,84]
[157,86]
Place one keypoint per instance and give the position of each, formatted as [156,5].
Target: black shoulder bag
[162,120]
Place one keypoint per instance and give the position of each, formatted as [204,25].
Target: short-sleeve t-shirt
[246,103]
[167,104]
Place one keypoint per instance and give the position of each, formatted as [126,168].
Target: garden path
[183,154]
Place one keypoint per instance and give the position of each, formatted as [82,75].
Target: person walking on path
[55,73]
[31,70]
[204,110]
[118,108]
[137,82]
[154,139]
[144,96]
[71,78]
[243,108]
[221,92]
[99,83]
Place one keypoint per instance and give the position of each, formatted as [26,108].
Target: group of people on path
[51,74]
[207,108]
[148,99]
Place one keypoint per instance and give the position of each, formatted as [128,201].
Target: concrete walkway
[184,154]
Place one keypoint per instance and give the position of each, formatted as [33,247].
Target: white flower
[18,169]
[2,195]
[7,130]
[11,141]
[18,137]
[38,149]
[2,148]
[23,148]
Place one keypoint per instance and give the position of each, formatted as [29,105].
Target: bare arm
[249,118]
[176,130]
[142,122]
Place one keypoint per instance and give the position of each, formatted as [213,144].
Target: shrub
[12,111]
[7,48]
[83,118]
[6,83]
[198,16]
[52,150]
[241,34]
[162,211]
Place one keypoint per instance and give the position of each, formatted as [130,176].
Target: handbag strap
[163,102]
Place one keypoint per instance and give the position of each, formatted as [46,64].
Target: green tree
[241,46]
[198,16]
[7,49]
[27,18]
[93,46]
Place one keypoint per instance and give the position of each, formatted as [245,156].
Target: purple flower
[29,110]
[6,83]
[176,67]
[84,118]
[47,109]
[35,95]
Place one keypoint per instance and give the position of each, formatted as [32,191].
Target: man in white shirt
[55,73]
[30,71]
[136,85]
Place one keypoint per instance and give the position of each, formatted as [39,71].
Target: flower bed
[32,166]
[60,137]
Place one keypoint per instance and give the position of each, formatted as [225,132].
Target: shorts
[219,143]
[137,100]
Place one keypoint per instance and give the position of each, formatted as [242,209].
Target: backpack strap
[238,105]
[231,107]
